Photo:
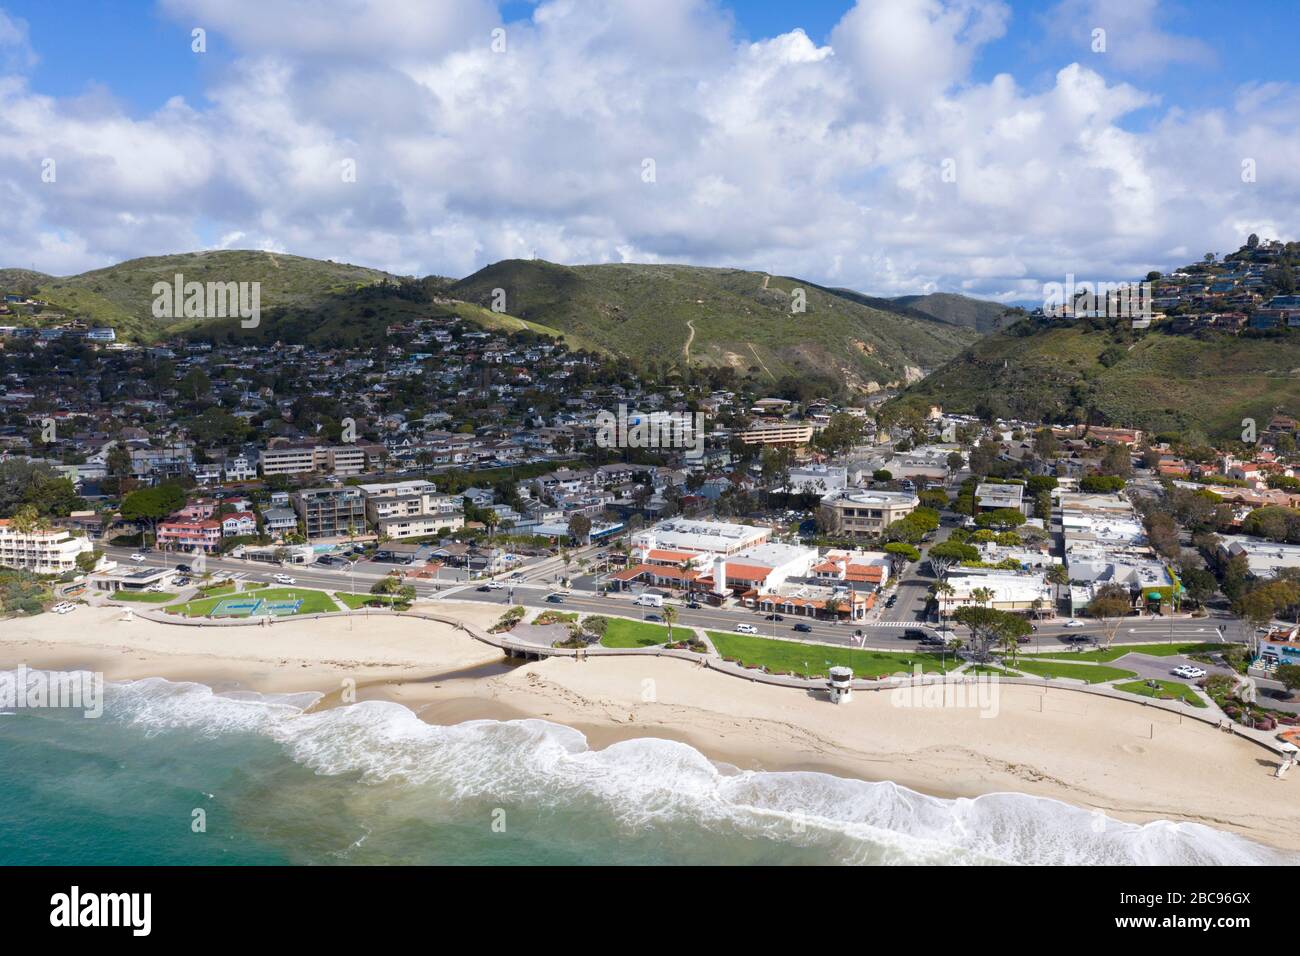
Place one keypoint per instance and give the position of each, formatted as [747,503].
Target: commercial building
[856,511]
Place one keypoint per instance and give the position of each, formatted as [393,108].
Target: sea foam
[649,784]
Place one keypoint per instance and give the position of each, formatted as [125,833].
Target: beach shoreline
[1132,763]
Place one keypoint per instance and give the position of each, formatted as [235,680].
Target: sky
[890,146]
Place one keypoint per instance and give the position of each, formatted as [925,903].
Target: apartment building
[331,512]
[420,525]
[796,434]
[302,459]
[187,535]
[855,511]
[47,551]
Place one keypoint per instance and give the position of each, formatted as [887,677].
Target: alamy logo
[1126,300]
[655,430]
[925,692]
[24,689]
[179,299]
[74,908]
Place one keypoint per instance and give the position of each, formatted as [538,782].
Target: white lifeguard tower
[841,684]
[1289,756]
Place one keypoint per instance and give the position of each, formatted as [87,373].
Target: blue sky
[141,54]
[806,138]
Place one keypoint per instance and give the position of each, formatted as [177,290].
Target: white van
[649,600]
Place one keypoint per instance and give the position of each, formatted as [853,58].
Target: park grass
[1108,654]
[1167,690]
[807,660]
[357,601]
[620,632]
[1090,673]
[313,602]
[988,670]
[145,597]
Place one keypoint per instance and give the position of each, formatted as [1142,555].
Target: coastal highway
[532,593]
[877,634]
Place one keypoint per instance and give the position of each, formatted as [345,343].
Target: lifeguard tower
[841,684]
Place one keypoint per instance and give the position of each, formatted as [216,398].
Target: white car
[137,556]
[746,629]
[1073,623]
[495,585]
[285,579]
[63,607]
[1189,672]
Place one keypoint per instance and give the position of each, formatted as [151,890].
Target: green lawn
[355,601]
[808,659]
[218,591]
[1106,655]
[1168,690]
[624,633]
[146,597]
[313,602]
[1092,673]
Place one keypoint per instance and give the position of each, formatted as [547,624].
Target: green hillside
[360,316]
[1068,372]
[122,295]
[685,315]
[977,314]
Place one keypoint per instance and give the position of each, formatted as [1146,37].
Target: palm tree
[1057,575]
[943,591]
[1010,647]
[670,618]
[982,596]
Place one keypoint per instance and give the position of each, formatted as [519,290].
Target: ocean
[175,774]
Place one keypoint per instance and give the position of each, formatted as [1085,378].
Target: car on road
[1072,622]
[284,579]
[914,634]
[803,628]
[517,574]
[554,599]
[137,556]
[495,585]
[774,617]
[653,617]
[693,605]
[1189,672]
[928,638]
[891,600]
[746,629]
[482,587]
[184,567]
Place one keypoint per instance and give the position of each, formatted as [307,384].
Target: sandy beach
[1132,762]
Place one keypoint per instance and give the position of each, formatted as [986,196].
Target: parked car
[803,628]
[1189,672]
[746,629]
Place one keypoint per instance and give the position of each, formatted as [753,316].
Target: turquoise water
[372,784]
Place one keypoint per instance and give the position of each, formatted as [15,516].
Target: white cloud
[818,161]
[1134,40]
